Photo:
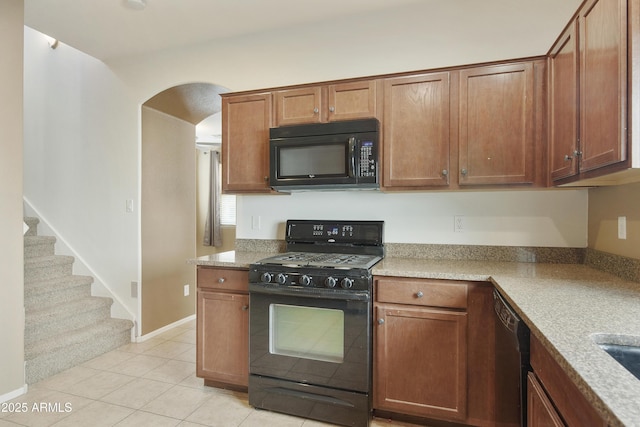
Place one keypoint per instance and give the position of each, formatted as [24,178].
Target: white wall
[11,242]
[424,34]
[554,218]
[81,158]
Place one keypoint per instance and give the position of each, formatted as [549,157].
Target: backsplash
[260,245]
[487,253]
[623,267]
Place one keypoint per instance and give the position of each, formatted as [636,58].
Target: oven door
[311,337]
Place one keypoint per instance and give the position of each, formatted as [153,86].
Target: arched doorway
[168,201]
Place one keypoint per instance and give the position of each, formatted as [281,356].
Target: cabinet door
[567,398]
[222,350]
[563,105]
[295,106]
[603,84]
[540,410]
[496,125]
[420,361]
[416,131]
[245,143]
[348,101]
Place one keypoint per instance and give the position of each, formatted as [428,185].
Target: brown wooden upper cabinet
[496,125]
[323,103]
[246,120]
[416,131]
[563,108]
[588,91]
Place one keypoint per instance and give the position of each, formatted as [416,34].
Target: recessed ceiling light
[135,4]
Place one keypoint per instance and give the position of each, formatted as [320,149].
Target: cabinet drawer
[435,293]
[223,279]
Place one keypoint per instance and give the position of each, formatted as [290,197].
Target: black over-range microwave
[325,156]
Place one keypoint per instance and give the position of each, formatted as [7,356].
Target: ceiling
[108,29]
[192,102]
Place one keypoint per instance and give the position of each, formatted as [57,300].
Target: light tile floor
[152,383]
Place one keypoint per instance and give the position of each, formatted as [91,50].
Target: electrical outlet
[186,290]
[458,223]
[622,227]
[255,222]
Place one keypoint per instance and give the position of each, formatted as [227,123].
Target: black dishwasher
[512,364]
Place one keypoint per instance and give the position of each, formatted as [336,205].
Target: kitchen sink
[626,355]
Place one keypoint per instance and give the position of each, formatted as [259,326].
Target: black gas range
[310,322]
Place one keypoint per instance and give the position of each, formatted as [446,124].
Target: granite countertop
[569,307]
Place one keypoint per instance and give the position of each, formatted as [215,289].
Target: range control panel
[353,232]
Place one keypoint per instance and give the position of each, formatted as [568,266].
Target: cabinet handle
[266,178]
[245,307]
[332,109]
[221,280]
[445,172]
[419,294]
[380,321]
[577,153]
[464,172]
[316,110]
[567,157]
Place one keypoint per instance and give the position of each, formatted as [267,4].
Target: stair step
[64,325]
[32,222]
[43,293]
[48,357]
[47,267]
[39,246]
[65,317]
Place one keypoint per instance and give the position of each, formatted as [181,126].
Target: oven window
[326,159]
[306,332]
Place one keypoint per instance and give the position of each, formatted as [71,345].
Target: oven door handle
[309,292]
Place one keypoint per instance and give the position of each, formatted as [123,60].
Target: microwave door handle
[352,160]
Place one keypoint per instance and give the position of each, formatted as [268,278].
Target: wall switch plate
[186,290]
[622,227]
[458,223]
[134,289]
[129,206]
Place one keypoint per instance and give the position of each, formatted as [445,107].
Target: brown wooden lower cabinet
[418,375]
[433,349]
[540,410]
[222,343]
[552,384]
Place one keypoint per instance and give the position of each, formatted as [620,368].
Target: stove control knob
[281,278]
[305,280]
[346,283]
[330,282]
[266,277]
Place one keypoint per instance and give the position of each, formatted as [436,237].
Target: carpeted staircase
[64,325]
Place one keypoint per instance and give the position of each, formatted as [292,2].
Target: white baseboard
[13,394]
[157,332]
